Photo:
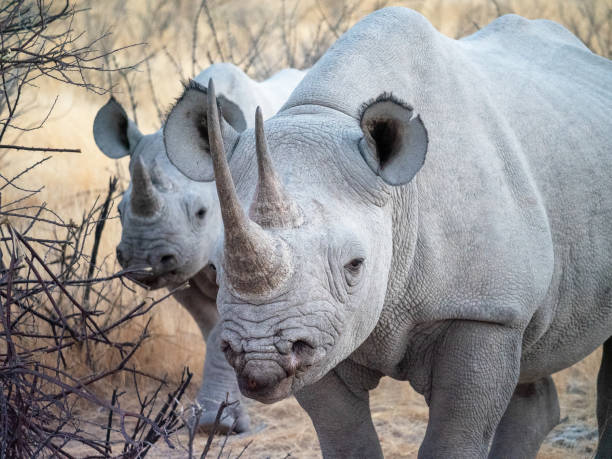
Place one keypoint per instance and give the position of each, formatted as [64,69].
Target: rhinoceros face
[323,293]
[169,223]
[303,273]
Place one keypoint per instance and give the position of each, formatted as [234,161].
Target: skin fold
[433,210]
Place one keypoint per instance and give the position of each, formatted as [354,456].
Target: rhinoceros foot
[234,418]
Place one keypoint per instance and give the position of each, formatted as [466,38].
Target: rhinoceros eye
[352,270]
[354,264]
[201,213]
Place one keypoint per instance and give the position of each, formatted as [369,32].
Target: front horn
[255,263]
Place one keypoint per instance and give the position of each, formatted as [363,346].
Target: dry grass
[72,181]
[400,416]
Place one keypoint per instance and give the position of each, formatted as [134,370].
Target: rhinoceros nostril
[300,348]
[252,384]
[301,353]
[233,357]
[121,258]
[168,261]
[225,347]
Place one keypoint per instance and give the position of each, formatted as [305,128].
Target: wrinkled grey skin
[473,262]
[176,239]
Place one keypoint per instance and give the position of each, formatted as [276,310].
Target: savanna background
[141,51]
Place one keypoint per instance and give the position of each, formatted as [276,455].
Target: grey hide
[169,223]
[456,199]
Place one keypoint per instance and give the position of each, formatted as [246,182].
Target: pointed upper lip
[142,275]
[279,392]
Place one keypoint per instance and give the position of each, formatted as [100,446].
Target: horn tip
[259,120]
[211,89]
[212,105]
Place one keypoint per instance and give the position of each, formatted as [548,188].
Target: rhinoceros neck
[384,349]
[204,282]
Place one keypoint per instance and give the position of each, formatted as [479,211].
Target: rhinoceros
[434,210]
[169,223]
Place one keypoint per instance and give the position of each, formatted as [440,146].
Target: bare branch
[43,149]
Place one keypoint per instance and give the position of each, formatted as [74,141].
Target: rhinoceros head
[303,267]
[169,223]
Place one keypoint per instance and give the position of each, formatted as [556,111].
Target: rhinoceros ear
[115,134]
[186,134]
[394,143]
[232,113]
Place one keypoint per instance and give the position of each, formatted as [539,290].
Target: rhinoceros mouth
[148,281]
[270,393]
[282,390]
[153,281]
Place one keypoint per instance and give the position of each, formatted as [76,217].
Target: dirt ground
[400,415]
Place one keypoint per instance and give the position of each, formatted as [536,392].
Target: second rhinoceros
[429,209]
[170,223]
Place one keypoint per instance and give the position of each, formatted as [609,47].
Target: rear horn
[272,207]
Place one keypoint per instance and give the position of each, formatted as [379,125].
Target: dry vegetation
[178,39]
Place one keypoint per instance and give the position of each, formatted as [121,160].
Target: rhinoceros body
[170,223]
[433,210]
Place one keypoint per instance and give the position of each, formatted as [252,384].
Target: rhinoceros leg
[202,309]
[604,403]
[219,382]
[219,378]
[532,413]
[341,416]
[474,373]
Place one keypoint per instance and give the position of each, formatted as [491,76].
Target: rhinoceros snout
[266,372]
[164,262]
[265,381]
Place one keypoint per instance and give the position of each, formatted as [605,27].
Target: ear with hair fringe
[230,110]
[186,134]
[395,142]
